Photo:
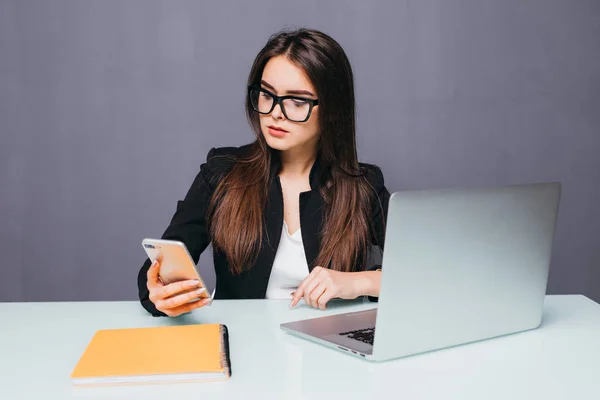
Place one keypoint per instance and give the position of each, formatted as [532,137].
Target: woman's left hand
[322,285]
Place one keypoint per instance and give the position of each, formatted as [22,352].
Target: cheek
[264,123]
[313,126]
[306,131]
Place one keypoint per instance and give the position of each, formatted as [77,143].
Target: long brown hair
[236,211]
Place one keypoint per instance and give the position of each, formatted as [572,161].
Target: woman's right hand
[169,299]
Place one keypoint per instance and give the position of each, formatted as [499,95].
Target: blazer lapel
[311,215]
[273,217]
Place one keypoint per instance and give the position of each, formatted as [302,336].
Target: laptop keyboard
[364,335]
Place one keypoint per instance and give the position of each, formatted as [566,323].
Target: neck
[297,162]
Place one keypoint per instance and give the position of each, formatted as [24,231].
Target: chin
[275,143]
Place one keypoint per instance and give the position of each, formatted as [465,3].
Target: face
[282,78]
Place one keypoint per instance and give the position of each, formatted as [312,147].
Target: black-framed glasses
[296,109]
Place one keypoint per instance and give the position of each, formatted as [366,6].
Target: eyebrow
[301,92]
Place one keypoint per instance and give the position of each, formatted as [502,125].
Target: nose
[277,113]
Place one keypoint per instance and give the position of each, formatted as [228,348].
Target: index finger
[152,274]
[299,293]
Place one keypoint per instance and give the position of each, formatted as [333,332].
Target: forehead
[284,75]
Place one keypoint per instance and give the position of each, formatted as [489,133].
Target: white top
[558,361]
[290,266]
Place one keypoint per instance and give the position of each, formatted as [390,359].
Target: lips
[277,132]
[276,128]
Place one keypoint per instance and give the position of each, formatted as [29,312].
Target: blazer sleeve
[188,225]
[379,211]
[379,208]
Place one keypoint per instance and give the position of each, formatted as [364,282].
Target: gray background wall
[107,109]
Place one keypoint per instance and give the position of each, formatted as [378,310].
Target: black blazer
[189,225]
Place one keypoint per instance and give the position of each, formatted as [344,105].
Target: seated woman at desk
[293,214]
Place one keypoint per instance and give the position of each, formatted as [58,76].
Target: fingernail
[200,291]
[153,263]
[193,283]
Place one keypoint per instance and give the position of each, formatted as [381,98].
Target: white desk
[41,342]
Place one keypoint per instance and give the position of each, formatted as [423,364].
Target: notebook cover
[186,349]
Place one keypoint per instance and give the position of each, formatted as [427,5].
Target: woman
[293,214]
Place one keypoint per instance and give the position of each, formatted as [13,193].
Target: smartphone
[176,263]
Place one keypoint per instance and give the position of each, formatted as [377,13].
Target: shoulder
[220,160]
[219,156]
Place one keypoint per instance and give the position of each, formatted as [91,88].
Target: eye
[265,95]
[299,103]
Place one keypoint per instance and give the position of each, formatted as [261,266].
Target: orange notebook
[159,354]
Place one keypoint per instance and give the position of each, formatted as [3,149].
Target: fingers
[318,288]
[152,275]
[186,308]
[310,288]
[165,304]
[299,293]
[324,299]
[176,287]
[296,296]
[316,294]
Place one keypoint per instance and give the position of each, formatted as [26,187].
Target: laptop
[459,266]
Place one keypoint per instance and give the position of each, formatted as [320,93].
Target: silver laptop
[458,266]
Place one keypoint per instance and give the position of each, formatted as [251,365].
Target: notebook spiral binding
[225,358]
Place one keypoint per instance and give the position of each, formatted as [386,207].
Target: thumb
[153,279]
